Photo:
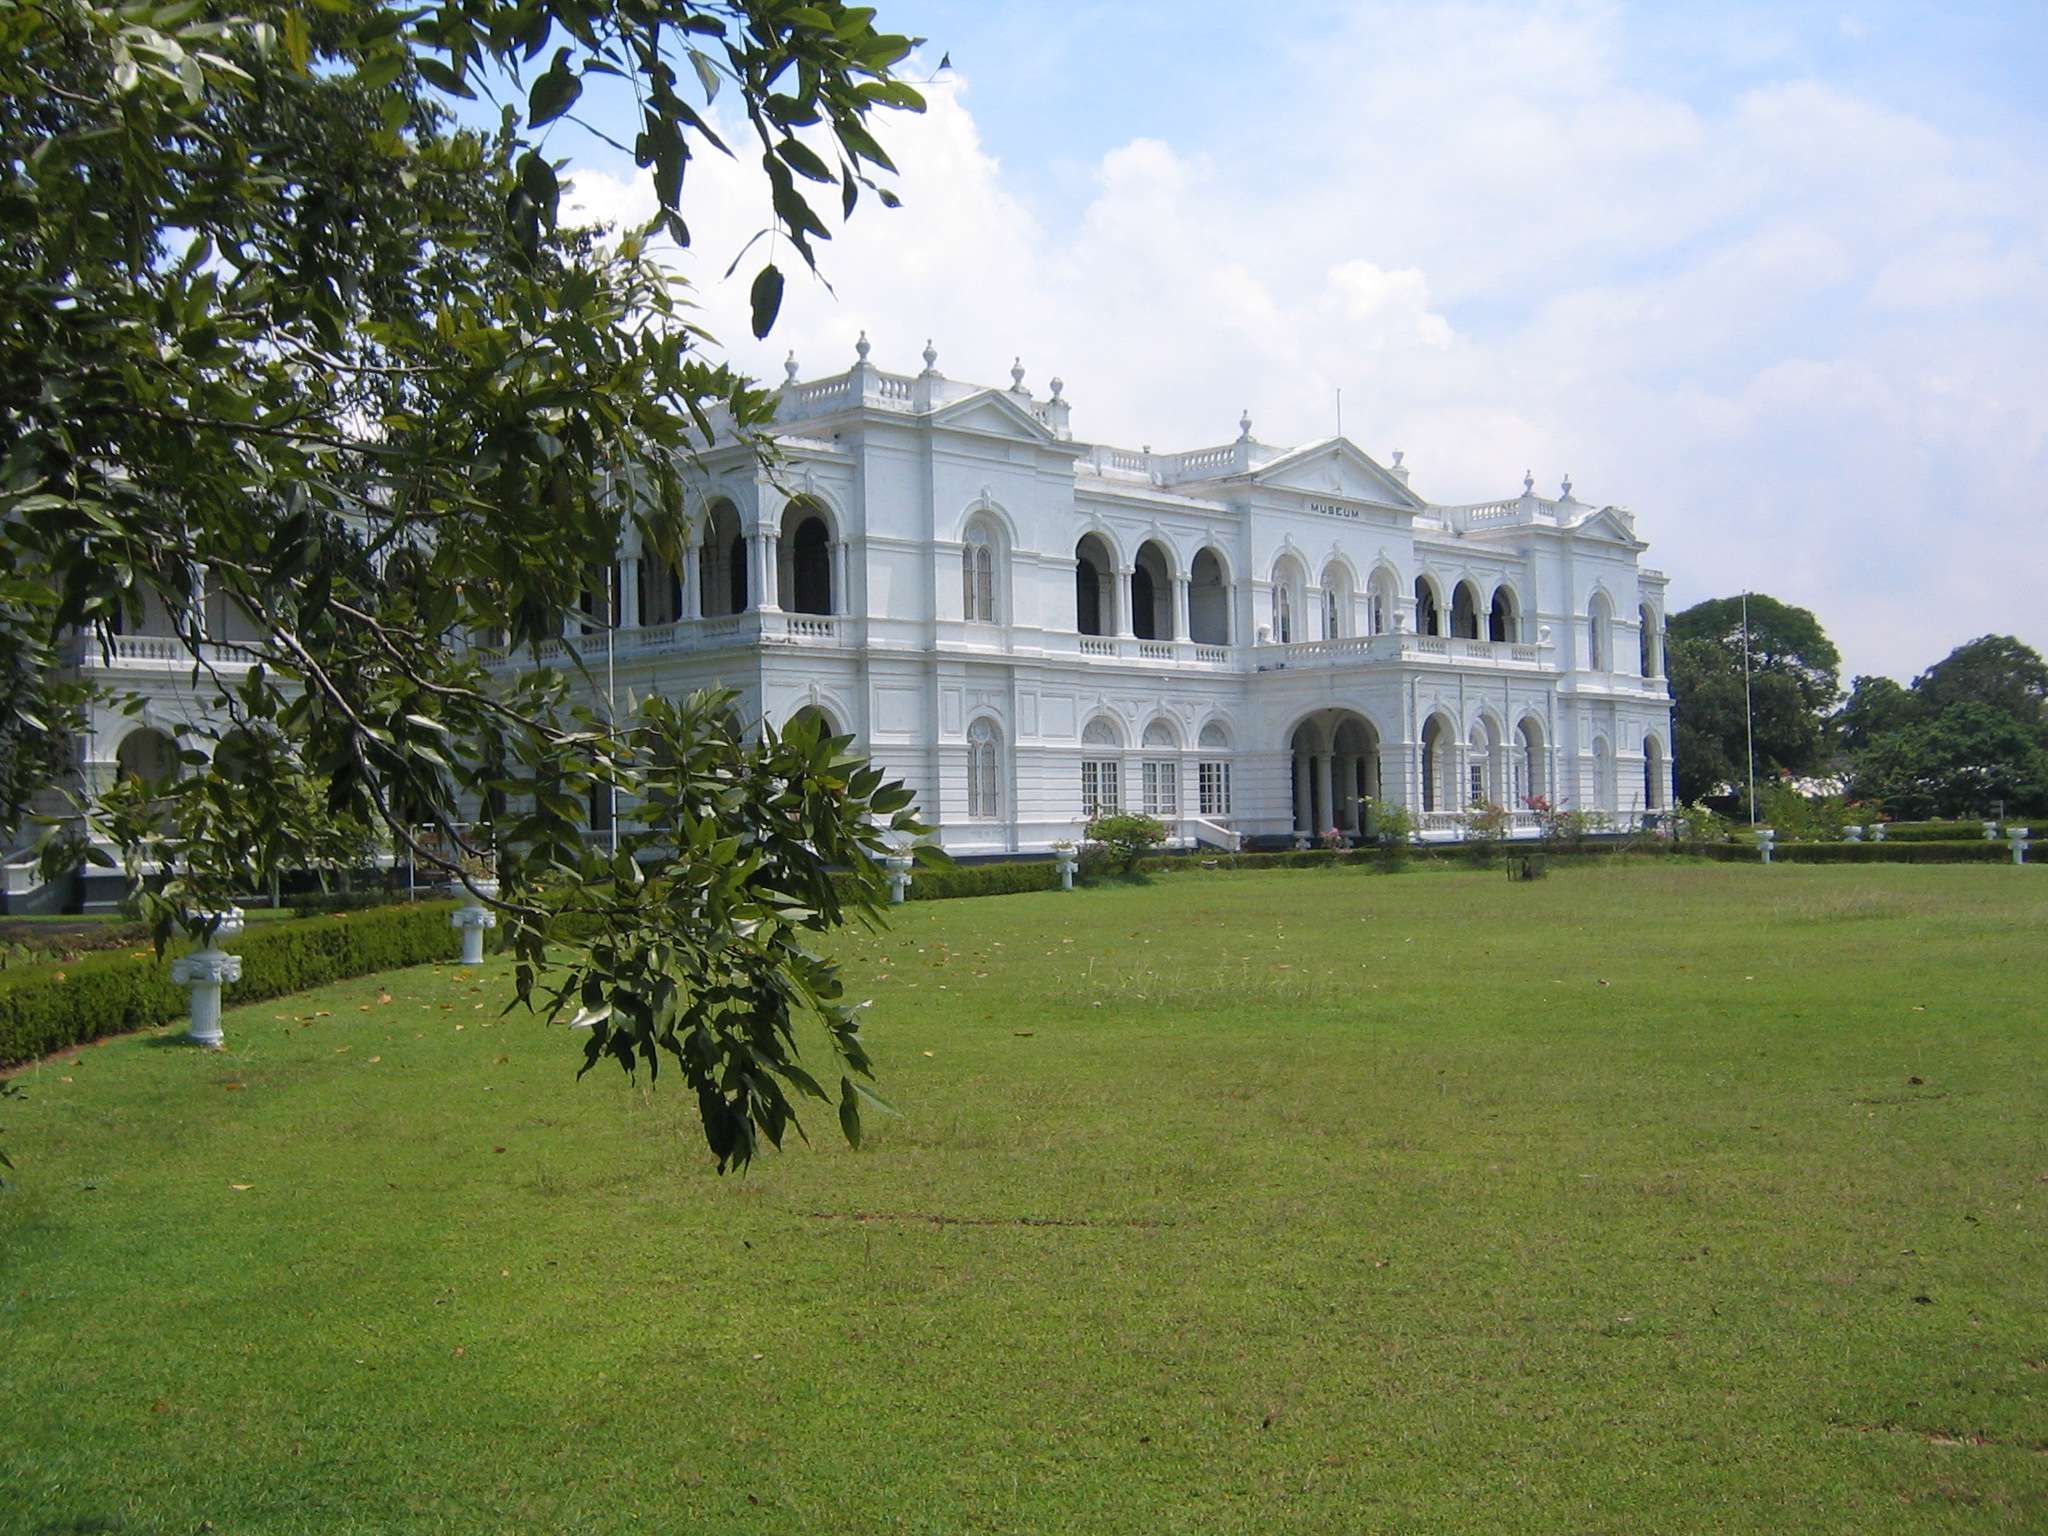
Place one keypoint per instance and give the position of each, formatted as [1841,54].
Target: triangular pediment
[996,412]
[1340,470]
[1614,523]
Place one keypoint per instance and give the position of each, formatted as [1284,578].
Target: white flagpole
[1748,718]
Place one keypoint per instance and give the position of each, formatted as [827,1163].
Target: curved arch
[1650,640]
[1530,762]
[1102,730]
[1430,617]
[984,769]
[1439,742]
[1382,598]
[986,509]
[1465,609]
[1161,734]
[1656,774]
[1209,597]
[148,754]
[1094,585]
[1215,735]
[723,585]
[805,556]
[984,568]
[1339,583]
[1504,613]
[813,714]
[1290,590]
[1152,591]
[1599,631]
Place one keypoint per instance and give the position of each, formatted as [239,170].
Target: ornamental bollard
[1064,862]
[1877,831]
[206,970]
[473,920]
[2017,836]
[1853,834]
[1990,831]
[1765,838]
[898,865]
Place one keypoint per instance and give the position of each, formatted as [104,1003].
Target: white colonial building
[1246,641]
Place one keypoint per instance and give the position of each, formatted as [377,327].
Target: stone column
[769,587]
[1123,604]
[473,918]
[689,584]
[628,615]
[842,600]
[1180,608]
[206,970]
[1304,803]
[1326,801]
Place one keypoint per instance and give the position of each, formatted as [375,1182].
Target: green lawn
[1658,1198]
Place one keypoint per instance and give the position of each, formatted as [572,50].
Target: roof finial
[1244,426]
[1567,486]
[1528,482]
[1058,384]
[931,356]
[789,366]
[861,346]
[1017,375]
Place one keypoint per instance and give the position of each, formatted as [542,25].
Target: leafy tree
[1997,671]
[1794,679]
[1125,837]
[1876,706]
[271,316]
[1955,764]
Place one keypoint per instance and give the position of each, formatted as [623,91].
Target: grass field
[1662,1198]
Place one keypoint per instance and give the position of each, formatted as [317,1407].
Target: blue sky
[1775,277]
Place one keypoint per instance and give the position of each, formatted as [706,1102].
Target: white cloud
[1798,333]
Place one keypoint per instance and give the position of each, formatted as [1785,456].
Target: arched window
[1289,580]
[1101,768]
[1651,642]
[1428,617]
[1501,619]
[984,771]
[1655,777]
[1208,601]
[1214,770]
[978,573]
[1161,772]
[661,591]
[1599,624]
[1439,771]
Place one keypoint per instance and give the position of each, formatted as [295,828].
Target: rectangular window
[1162,789]
[1099,794]
[1214,784]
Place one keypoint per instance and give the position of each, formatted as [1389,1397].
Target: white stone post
[1852,834]
[2017,836]
[1990,831]
[1877,831]
[206,970]
[898,865]
[1765,838]
[473,920]
[1064,861]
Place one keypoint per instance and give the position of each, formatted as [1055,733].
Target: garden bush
[1902,852]
[984,880]
[106,994]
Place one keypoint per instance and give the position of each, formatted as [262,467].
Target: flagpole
[1748,716]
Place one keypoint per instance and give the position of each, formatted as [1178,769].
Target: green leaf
[555,92]
[767,299]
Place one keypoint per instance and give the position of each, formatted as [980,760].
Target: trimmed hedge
[984,880]
[1887,852]
[108,994]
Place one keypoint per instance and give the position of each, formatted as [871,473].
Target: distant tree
[1997,671]
[1954,764]
[1794,680]
[1876,706]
